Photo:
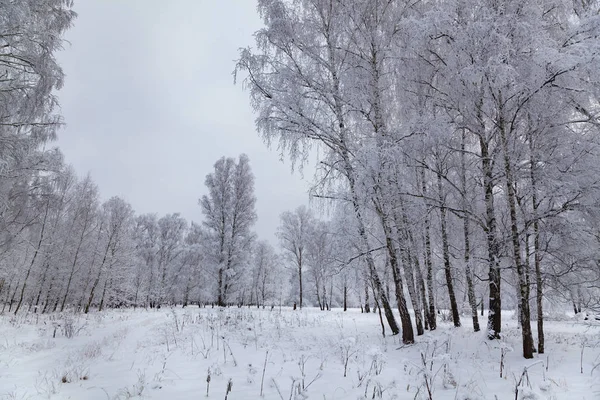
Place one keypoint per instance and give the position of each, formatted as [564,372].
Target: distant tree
[146,236]
[266,274]
[229,215]
[294,234]
[171,231]
[114,238]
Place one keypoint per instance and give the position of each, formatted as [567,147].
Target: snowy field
[201,353]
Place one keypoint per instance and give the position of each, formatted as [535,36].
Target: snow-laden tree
[320,260]
[30,34]
[294,233]
[436,117]
[115,249]
[146,237]
[229,215]
[192,277]
[171,233]
[303,90]
[266,275]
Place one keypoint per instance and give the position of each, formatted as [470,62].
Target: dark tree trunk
[367,306]
[35,254]
[379,312]
[495,302]
[407,329]
[404,240]
[300,280]
[516,244]
[377,286]
[431,315]
[12,299]
[220,299]
[6,301]
[446,255]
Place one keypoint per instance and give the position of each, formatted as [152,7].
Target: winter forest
[453,222]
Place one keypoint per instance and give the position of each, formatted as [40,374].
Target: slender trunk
[469,276]
[47,306]
[516,244]
[423,292]
[318,293]
[220,301]
[73,269]
[324,297]
[7,296]
[362,232]
[466,233]
[411,263]
[12,299]
[539,288]
[379,312]
[431,316]
[35,254]
[41,284]
[407,329]
[97,280]
[300,277]
[412,292]
[367,306]
[446,254]
[101,306]
[495,302]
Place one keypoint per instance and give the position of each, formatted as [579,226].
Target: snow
[170,353]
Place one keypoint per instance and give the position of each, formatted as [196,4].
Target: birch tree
[229,215]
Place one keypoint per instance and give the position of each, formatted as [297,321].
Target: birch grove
[457,172]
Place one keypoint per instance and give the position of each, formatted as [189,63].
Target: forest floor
[196,353]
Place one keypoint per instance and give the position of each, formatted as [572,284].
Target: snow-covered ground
[308,354]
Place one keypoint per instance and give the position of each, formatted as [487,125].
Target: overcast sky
[150,104]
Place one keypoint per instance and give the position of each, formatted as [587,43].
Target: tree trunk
[516,244]
[300,280]
[12,299]
[367,306]
[73,269]
[101,306]
[220,300]
[362,232]
[414,298]
[92,291]
[466,232]
[47,306]
[421,287]
[7,296]
[41,284]
[37,250]
[407,329]
[539,292]
[469,276]
[446,254]
[431,315]
[411,263]
[495,302]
